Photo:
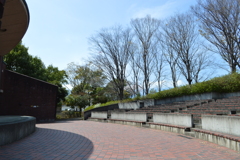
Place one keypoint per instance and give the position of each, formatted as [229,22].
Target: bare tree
[220,24]
[159,67]
[183,38]
[134,83]
[72,73]
[112,50]
[170,56]
[145,30]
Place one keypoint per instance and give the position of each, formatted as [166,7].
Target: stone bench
[126,122]
[169,127]
[226,140]
[99,114]
[97,119]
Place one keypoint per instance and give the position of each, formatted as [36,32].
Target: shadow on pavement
[49,144]
[62,121]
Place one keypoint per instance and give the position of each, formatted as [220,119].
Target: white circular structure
[14,21]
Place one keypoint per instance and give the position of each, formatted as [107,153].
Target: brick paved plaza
[93,140]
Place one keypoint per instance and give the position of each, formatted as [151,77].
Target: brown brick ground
[93,140]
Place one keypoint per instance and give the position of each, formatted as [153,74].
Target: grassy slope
[224,84]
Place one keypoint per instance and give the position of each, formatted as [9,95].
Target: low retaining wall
[232,142]
[129,105]
[136,104]
[146,103]
[224,124]
[212,95]
[132,123]
[87,114]
[97,119]
[168,128]
[99,115]
[129,116]
[13,128]
[185,120]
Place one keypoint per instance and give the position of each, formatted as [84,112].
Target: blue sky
[59,30]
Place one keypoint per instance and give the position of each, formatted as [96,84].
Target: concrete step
[146,125]
[198,126]
[150,120]
[192,134]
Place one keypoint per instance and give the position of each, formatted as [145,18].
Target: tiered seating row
[226,106]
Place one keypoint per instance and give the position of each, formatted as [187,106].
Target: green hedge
[225,84]
[67,115]
[100,105]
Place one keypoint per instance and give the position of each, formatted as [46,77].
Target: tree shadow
[49,144]
[60,121]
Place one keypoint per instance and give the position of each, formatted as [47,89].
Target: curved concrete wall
[13,128]
[223,124]
[173,119]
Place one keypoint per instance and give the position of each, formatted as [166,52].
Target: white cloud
[68,87]
[162,11]
[155,84]
[180,83]
[169,84]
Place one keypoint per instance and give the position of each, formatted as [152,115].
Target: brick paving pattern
[69,140]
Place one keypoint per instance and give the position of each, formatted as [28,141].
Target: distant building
[67,108]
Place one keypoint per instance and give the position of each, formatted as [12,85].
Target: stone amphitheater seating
[226,106]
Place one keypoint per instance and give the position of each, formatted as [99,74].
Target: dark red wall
[2,68]
[21,93]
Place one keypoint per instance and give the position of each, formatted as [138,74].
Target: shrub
[225,84]
[100,105]
[67,114]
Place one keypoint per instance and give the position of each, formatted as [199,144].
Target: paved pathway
[93,140]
